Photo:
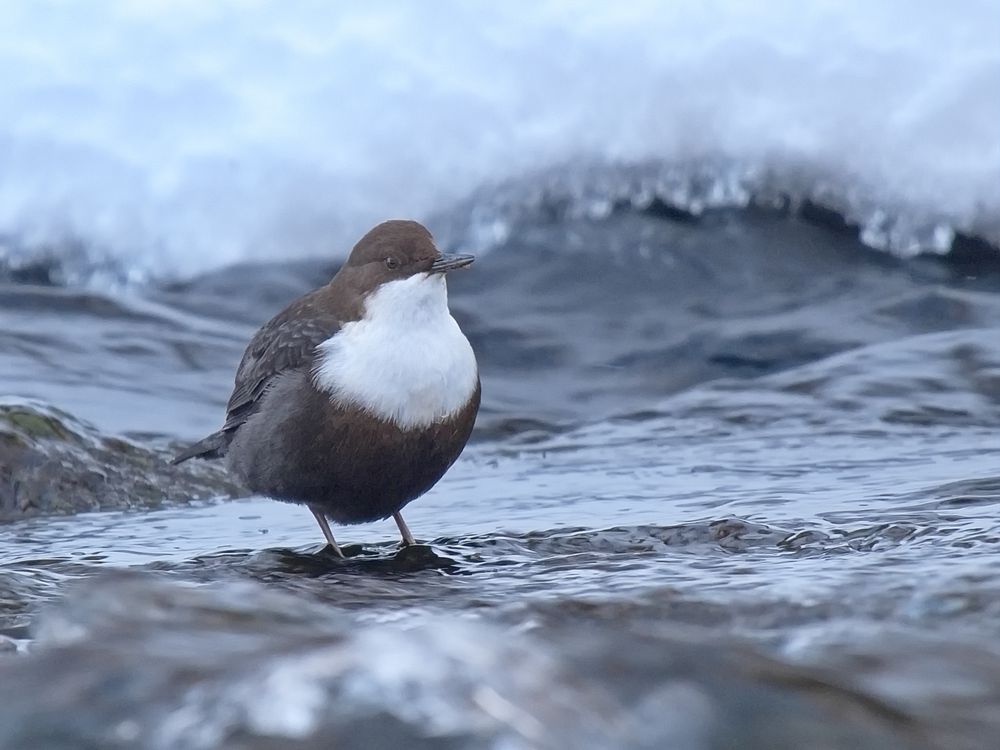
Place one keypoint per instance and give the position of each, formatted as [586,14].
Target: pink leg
[403,529]
[325,527]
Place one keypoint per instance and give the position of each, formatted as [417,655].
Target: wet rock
[131,660]
[52,463]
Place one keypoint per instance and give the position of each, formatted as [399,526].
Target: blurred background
[737,312]
[170,138]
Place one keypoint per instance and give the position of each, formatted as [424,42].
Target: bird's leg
[403,529]
[325,526]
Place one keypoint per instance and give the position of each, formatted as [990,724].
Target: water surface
[734,481]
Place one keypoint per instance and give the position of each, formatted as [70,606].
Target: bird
[357,397]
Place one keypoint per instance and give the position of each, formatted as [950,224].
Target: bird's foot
[404,530]
[324,526]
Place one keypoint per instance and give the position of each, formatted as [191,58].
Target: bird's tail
[214,446]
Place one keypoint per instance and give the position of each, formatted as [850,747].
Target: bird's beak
[446,262]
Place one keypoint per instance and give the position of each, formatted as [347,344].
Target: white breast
[406,361]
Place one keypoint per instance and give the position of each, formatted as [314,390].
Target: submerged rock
[132,660]
[53,463]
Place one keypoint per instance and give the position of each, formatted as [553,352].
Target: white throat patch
[406,361]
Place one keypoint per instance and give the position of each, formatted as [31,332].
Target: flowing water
[736,476]
[734,480]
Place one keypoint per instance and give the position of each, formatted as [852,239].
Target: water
[737,461]
[735,478]
[184,138]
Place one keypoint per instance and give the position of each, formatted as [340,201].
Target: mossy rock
[34,424]
[53,463]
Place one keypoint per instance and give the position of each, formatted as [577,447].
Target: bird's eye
[391,263]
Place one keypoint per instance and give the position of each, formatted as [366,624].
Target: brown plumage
[291,440]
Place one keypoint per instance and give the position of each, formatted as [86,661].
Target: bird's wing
[287,342]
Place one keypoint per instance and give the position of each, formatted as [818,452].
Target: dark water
[734,485]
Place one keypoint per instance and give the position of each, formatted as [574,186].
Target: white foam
[180,135]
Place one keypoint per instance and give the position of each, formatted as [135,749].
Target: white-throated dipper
[356,398]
